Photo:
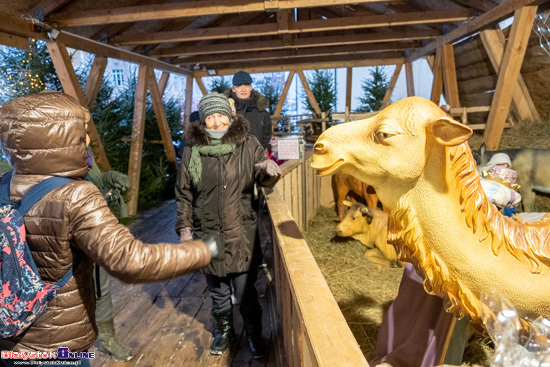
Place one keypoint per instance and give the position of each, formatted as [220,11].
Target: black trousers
[244,291]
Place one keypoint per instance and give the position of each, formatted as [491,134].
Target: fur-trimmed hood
[196,134]
[256,99]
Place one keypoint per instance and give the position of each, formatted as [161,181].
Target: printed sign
[288,148]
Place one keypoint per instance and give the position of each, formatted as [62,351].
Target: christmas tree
[26,71]
[324,89]
[374,89]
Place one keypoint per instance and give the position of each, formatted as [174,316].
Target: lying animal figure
[532,167]
[370,227]
[343,185]
[419,162]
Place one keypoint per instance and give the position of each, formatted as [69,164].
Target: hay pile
[364,292]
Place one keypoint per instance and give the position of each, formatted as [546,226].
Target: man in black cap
[252,105]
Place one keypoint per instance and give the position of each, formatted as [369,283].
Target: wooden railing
[300,188]
[314,331]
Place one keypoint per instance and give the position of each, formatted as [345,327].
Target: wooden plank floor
[168,323]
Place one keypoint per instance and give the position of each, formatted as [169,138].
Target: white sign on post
[288,148]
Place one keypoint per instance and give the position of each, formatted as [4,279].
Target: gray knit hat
[214,103]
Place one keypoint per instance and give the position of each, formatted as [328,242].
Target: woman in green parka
[220,165]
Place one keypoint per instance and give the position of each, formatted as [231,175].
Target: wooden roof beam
[478,23]
[307,52]
[181,10]
[481,5]
[310,63]
[20,27]
[45,7]
[348,39]
[12,40]
[256,30]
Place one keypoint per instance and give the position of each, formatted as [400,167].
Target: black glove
[214,243]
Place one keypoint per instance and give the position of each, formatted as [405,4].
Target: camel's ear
[367,214]
[347,203]
[449,132]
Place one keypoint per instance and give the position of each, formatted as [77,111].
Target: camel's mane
[527,243]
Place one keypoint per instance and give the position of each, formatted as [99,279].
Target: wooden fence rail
[314,331]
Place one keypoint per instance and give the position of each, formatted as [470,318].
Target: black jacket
[255,111]
[223,200]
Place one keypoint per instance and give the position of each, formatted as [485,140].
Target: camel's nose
[319,148]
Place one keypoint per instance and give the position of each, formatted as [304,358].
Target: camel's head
[392,146]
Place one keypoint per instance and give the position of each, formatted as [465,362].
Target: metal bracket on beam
[39,14]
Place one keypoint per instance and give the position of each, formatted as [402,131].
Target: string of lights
[21,72]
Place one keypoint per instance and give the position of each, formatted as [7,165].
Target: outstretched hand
[215,246]
[269,167]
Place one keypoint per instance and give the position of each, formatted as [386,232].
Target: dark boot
[224,332]
[253,329]
[109,343]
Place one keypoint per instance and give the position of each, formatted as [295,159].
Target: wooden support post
[387,97]
[508,75]
[65,71]
[346,114]
[493,41]
[163,81]
[430,60]
[95,79]
[136,146]
[449,75]
[162,121]
[188,104]
[323,122]
[410,79]
[349,75]
[282,97]
[200,84]
[464,116]
[309,93]
[437,84]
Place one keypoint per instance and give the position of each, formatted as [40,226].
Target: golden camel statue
[420,164]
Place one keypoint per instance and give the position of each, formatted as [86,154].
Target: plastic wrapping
[515,346]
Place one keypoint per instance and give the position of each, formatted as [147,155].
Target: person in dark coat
[252,105]
[215,194]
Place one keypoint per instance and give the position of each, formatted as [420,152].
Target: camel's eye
[380,136]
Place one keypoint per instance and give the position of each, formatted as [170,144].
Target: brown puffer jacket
[44,135]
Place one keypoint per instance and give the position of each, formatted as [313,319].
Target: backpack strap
[38,191]
[61,282]
[32,197]
[5,189]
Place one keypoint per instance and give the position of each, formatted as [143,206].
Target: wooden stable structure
[198,38]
